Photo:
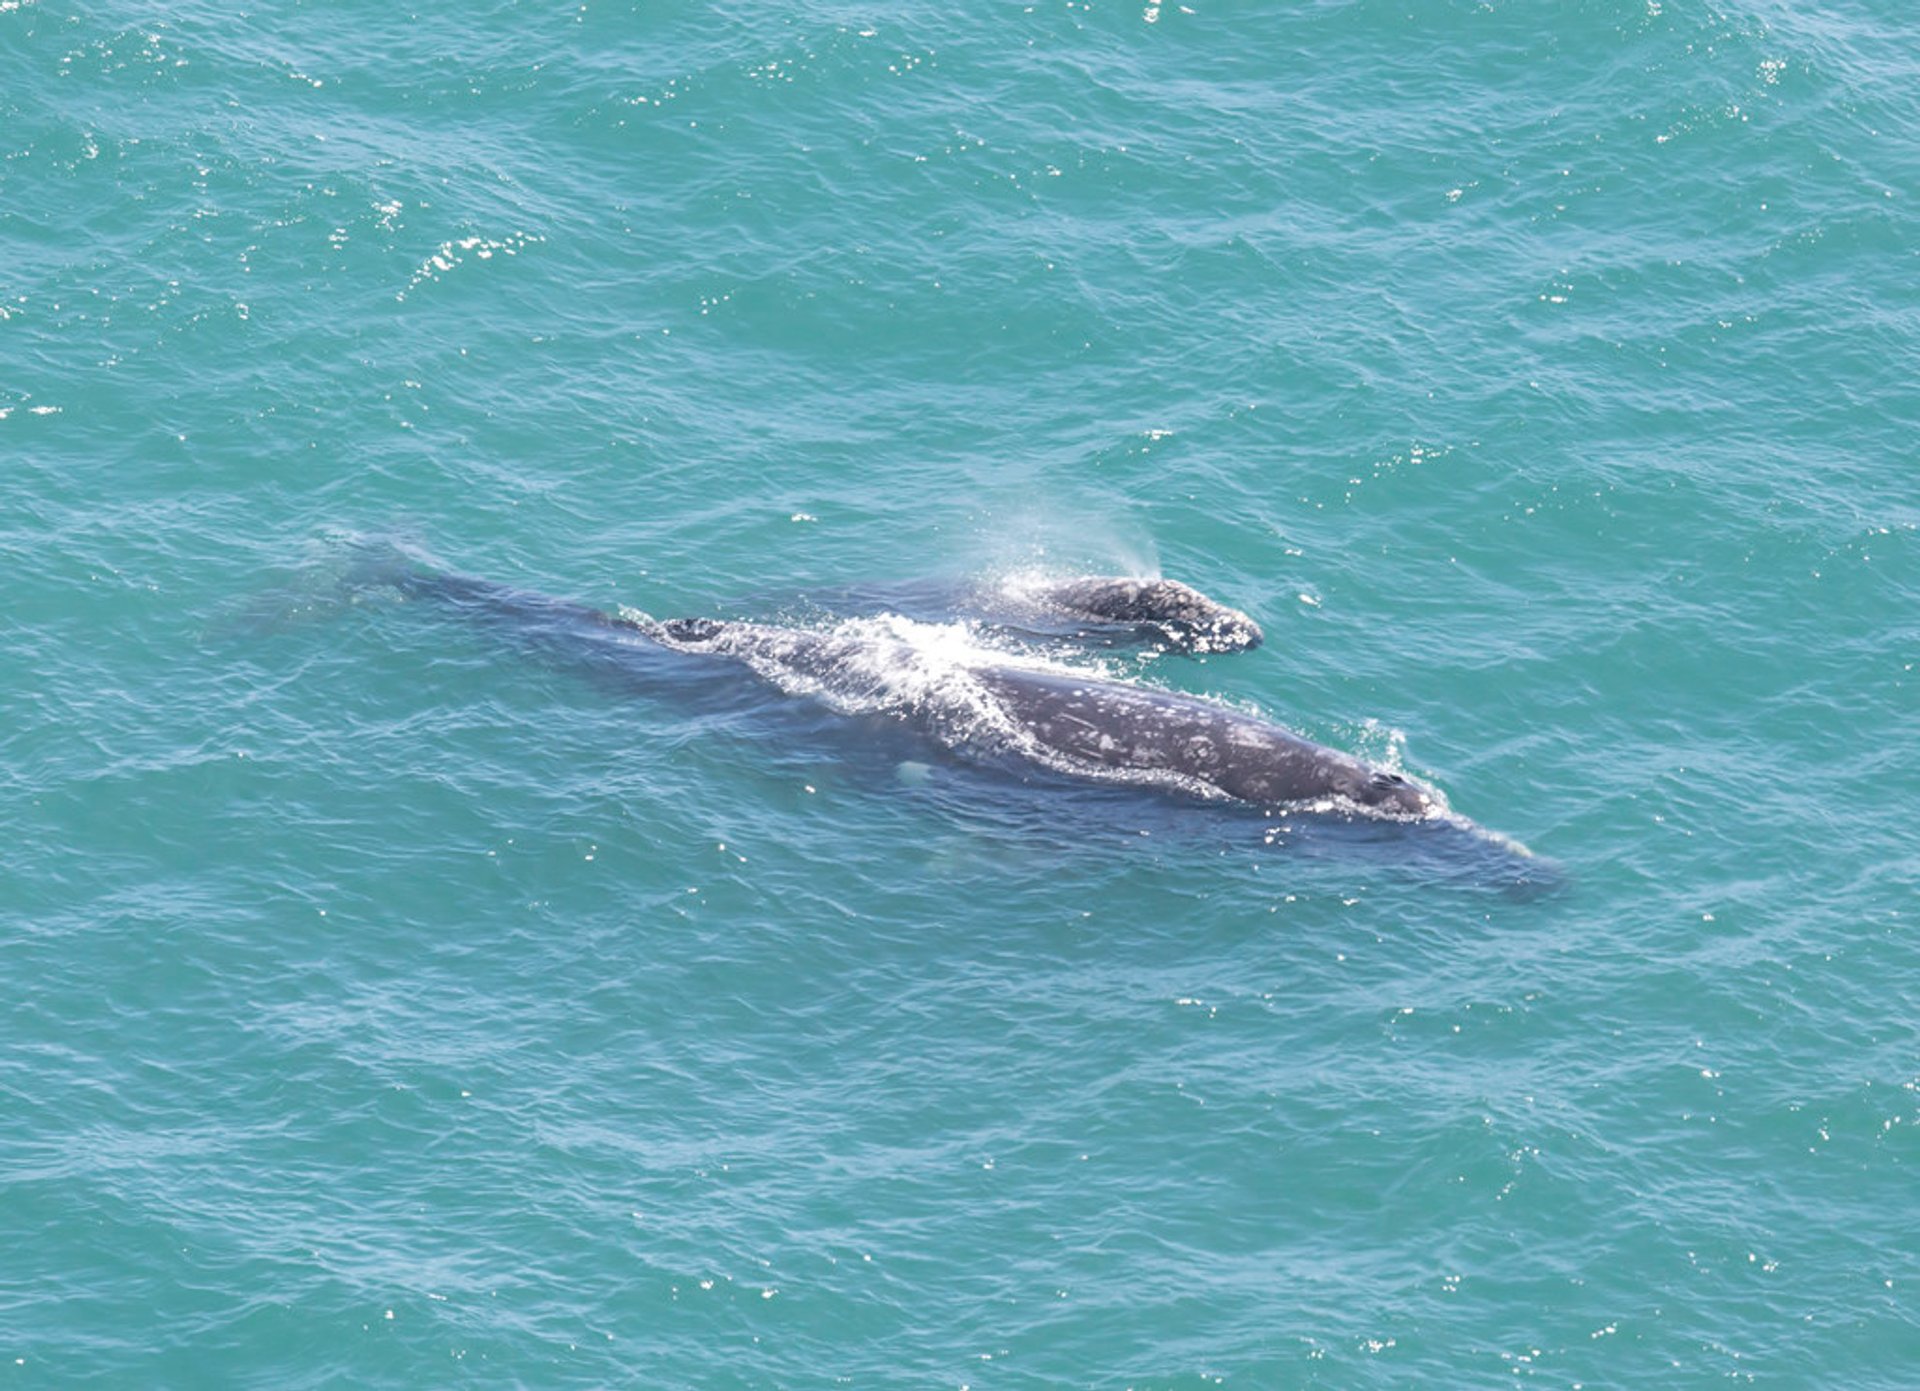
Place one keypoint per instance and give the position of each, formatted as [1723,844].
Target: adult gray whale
[1070,721]
[988,702]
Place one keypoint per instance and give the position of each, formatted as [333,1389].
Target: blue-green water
[389,1003]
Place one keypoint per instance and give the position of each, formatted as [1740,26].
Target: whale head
[1184,619]
[1390,793]
[692,630]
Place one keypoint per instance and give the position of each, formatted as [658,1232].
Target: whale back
[1189,742]
[977,701]
[1179,616]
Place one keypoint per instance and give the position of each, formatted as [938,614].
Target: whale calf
[1177,615]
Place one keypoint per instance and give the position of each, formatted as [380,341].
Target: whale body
[1068,720]
[983,701]
[1177,616]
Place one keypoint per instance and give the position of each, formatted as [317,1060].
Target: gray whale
[1177,616]
[984,701]
[1086,610]
[1070,721]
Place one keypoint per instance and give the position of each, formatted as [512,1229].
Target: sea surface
[389,999]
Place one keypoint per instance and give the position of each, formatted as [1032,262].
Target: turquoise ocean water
[396,1000]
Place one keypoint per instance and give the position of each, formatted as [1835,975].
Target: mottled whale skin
[1082,723]
[1115,725]
[1079,723]
[1179,616]
[1048,610]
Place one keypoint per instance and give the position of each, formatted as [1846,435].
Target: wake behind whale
[979,690]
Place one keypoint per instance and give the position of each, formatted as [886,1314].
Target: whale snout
[1389,792]
[692,630]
